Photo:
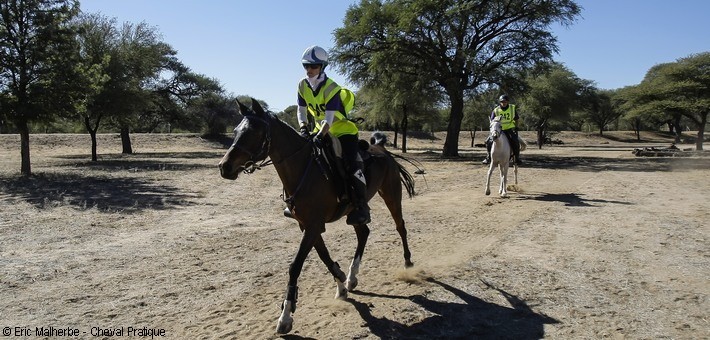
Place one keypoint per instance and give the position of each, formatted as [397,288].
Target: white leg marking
[285,320]
[341,293]
[351,282]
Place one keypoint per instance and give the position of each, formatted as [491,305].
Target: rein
[251,165]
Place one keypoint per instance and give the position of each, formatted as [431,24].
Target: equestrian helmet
[503,98]
[315,55]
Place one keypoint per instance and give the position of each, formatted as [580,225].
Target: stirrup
[486,161]
[287,212]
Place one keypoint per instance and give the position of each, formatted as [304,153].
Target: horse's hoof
[285,325]
[408,264]
[488,192]
[351,284]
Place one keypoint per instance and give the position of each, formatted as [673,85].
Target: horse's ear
[257,107]
[243,109]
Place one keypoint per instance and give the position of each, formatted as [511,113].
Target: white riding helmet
[315,55]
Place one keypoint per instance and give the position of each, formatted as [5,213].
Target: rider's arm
[302,115]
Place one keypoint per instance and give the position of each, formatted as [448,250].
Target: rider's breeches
[351,154]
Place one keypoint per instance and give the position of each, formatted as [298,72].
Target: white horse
[500,157]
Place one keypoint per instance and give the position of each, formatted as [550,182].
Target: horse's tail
[404,175]
[380,139]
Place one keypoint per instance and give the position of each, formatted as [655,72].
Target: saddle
[329,157]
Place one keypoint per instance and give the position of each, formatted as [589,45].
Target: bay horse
[500,157]
[313,199]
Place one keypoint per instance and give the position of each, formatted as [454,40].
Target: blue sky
[254,47]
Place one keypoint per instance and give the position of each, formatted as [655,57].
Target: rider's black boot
[361,213]
[489,144]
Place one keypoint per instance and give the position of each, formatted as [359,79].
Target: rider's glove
[304,131]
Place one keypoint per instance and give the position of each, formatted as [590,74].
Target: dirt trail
[594,243]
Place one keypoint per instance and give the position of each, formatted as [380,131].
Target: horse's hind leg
[333,267]
[362,232]
[393,199]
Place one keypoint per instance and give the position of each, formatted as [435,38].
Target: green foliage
[458,46]
[551,97]
[681,88]
[38,54]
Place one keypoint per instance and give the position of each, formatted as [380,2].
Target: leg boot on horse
[361,213]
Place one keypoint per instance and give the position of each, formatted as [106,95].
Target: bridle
[495,133]
[251,165]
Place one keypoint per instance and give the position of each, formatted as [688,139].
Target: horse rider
[319,96]
[509,122]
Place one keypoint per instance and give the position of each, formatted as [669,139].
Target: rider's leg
[361,213]
[489,144]
[514,144]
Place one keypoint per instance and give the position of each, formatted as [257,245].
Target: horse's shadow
[571,199]
[472,319]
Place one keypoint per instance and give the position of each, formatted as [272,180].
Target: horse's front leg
[333,267]
[289,305]
[488,179]
[503,180]
[515,172]
[362,232]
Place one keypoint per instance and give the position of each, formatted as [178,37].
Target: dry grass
[593,243]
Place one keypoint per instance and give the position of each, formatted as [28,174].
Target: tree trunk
[473,137]
[678,131]
[94,152]
[126,141]
[540,137]
[701,131]
[451,145]
[25,167]
[93,129]
[404,130]
[396,134]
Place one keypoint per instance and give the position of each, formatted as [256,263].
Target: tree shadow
[47,190]
[473,318]
[579,163]
[570,199]
[597,164]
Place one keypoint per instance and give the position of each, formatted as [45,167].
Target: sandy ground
[593,243]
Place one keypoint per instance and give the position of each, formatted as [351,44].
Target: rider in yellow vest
[509,120]
[320,97]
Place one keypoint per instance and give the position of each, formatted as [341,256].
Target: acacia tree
[141,57]
[458,45]
[551,96]
[97,40]
[598,107]
[38,53]
[678,88]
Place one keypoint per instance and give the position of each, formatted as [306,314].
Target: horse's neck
[290,154]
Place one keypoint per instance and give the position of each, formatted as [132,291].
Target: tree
[142,57]
[598,107]
[459,45]
[550,97]
[38,52]
[477,112]
[175,92]
[97,40]
[678,88]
